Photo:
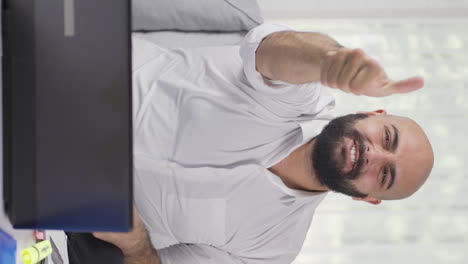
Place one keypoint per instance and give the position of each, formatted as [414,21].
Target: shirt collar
[312,128]
[292,192]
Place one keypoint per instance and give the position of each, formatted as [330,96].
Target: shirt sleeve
[197,254]
[293,100]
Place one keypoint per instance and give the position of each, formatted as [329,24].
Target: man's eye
[384,176]
[387,139]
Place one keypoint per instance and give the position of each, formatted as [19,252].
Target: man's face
[372,155]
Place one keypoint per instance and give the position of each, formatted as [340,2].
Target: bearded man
[235,146]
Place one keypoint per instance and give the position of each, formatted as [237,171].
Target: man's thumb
[408,85]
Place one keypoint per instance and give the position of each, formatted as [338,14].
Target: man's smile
[351,157]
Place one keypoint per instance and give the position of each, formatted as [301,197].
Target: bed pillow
[195,15]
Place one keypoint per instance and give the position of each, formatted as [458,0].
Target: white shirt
[206,127]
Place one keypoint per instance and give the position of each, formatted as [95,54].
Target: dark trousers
[84,248]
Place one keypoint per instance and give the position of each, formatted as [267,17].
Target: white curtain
[431,226]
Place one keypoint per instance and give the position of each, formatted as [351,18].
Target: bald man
[234,153]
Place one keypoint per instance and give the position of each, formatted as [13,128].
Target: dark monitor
[67,126]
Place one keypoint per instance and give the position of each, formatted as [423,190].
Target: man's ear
[368,199]
[375,112]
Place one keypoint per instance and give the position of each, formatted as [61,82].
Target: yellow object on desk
[37,252]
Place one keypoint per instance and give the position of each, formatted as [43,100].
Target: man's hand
[135,245]
[350,70]
[304,57]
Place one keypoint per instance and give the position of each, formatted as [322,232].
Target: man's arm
[137,249]
[304,57]
[145,256]
[135,245]
[293,57]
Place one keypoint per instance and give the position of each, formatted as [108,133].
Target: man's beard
[328,165]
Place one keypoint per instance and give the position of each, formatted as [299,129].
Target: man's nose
[377,156]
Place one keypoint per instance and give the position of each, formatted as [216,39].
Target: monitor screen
[67,126]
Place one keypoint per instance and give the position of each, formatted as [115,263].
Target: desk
[25,238]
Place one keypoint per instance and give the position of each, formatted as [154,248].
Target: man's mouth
[353,155]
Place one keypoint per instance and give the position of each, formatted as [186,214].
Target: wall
[277,9]
[413,37]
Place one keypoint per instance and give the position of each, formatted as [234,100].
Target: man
[233,153]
